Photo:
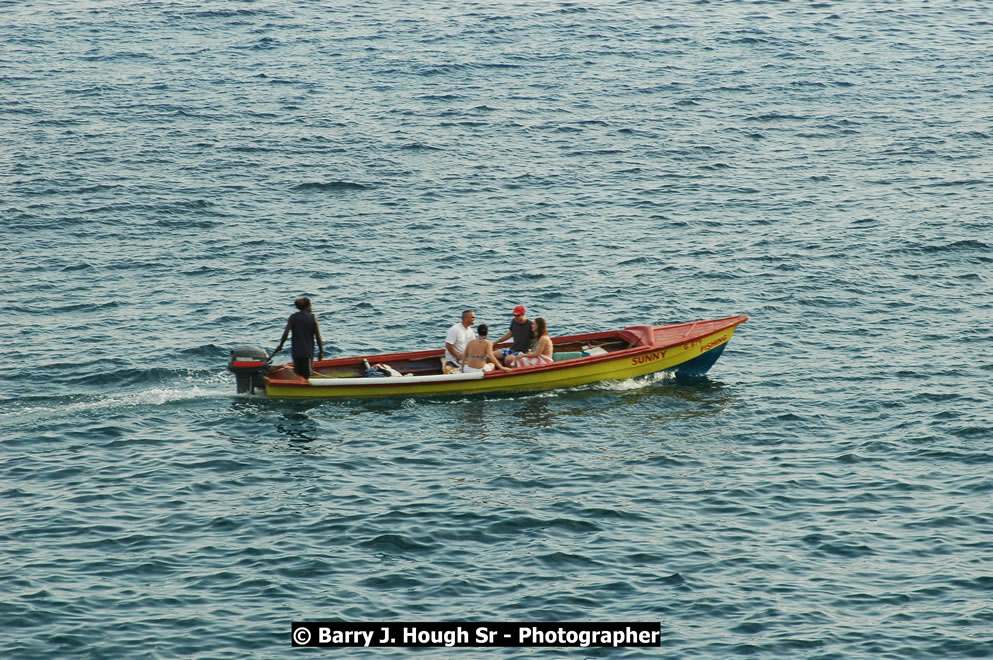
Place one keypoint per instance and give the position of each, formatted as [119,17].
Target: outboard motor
[248,364]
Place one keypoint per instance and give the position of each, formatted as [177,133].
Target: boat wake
[195,388]
[631,384]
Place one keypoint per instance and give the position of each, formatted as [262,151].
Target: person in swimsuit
[542,353]
[479,353]
[305,330]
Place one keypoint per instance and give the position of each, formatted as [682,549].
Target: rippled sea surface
[173,174]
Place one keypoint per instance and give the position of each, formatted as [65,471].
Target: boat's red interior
[426,363]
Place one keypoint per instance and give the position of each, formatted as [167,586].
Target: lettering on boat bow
[648,357]
[717,342]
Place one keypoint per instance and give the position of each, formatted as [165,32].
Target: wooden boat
[683,348]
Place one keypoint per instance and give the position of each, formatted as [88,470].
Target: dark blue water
[173,174]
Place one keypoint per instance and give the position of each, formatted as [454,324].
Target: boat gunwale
[732,322]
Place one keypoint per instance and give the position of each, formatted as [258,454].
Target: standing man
[457,337]
[523,333]
[303,325]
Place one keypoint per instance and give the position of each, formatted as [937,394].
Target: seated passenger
[455,341]
[523,333]
[542,353]
[479,354]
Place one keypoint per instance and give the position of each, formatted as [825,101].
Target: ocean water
[174,173]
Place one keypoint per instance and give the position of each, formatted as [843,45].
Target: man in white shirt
[458,336]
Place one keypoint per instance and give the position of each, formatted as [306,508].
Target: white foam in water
[635,383]
[219,386]
[156,396]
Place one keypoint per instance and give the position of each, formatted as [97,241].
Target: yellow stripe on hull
[621,368]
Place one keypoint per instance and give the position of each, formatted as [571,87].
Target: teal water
[173,174]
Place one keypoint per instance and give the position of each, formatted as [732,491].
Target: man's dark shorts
[301,365]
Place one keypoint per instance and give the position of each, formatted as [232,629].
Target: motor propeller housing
[248,364]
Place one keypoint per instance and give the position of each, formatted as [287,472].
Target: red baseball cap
[519,310]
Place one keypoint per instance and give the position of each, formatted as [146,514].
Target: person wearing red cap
[523,333]
[542,353]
